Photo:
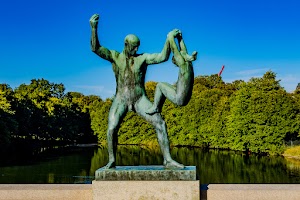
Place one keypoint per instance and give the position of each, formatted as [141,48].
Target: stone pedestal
[146,182]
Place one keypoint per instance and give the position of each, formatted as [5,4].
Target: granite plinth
[146,190]
[146,182]
[146,173]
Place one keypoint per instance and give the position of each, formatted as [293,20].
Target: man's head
[132,43]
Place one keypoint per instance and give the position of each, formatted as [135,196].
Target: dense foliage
[42,113]
[257,116]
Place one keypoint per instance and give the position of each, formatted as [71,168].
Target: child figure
[182,92]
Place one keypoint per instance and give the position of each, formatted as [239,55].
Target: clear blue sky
[51,39]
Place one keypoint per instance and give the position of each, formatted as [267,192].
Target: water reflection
[78,165]
[60,165]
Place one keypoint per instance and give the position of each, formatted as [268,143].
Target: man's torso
[130,76]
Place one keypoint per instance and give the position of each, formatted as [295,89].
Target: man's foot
[187,57]
[172,164]
[110,165]
[152,110]
[194,55]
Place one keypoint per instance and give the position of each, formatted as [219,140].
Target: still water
[78,165]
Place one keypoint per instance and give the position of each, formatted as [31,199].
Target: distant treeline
[257,116]
[42,114]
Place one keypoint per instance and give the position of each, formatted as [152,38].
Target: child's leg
[162,91]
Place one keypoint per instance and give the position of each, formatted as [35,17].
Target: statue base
[146,182]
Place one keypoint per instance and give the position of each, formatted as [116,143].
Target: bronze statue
[130,69]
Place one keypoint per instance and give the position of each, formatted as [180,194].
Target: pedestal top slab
[148,172]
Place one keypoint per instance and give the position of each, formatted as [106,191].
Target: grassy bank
[293,152]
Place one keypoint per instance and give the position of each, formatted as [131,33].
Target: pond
[78,165]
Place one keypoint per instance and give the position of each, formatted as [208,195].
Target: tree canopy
[257,116]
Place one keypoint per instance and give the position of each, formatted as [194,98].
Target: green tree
[99,118]
[8,124]
[35,104]
[262,116]
[79,107]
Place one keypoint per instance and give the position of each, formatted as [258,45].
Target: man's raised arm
[165,53]
[95,44]
[163,56]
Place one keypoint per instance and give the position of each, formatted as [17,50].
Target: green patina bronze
[130,70]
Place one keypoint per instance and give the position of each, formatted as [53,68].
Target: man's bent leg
[161,131]
[116,114]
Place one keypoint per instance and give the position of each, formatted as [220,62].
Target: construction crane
[219,74]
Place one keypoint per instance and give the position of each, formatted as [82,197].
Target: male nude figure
[130,69]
